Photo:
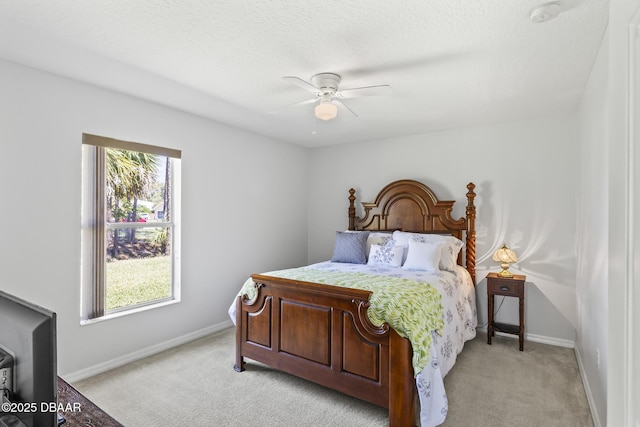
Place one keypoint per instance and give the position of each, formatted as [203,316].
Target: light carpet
[195,385]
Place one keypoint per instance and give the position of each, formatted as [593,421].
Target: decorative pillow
[402,237]
[375,238]
[388,255]
[423,256]
[450,250]
[350,247]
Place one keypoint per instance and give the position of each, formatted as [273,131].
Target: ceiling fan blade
[337,101]
[364,91]
[302,83]
[297,104]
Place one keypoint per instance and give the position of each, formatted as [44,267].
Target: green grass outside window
[136,281]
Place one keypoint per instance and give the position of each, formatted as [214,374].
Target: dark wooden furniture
[80,411]
[322,333]
[510,287]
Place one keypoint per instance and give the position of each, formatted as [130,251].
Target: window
[130,226]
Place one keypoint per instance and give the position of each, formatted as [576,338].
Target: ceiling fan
[324,86]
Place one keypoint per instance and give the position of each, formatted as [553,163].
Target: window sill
[128,312]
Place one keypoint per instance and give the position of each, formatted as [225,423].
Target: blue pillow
[350,247]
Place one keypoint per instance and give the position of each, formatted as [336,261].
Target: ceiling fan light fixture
[325,110]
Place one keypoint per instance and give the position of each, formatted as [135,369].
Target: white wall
[234,210]
[593,235]
[526,176]
[623,193]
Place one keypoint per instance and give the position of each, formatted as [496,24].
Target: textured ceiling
[451,64]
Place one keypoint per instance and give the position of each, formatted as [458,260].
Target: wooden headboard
[409,205]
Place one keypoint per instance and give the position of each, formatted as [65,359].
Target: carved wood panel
[259,325]
[359,357]
[305,331]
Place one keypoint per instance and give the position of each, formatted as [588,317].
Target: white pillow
[377,238]
[450,250]
[387,255]
[423,256]
[402,237]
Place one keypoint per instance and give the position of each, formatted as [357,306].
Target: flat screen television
[28,364]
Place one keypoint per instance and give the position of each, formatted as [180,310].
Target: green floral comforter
[411,307]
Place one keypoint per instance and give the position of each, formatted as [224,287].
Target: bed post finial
[471,231]
[352,209]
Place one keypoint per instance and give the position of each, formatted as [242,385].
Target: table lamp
[505,256]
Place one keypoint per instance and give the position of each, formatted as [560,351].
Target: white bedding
[460,321]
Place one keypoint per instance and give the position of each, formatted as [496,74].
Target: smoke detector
[545,12]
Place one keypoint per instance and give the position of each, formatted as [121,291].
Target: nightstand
[509,287]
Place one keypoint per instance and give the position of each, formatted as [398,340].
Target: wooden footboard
[323,334]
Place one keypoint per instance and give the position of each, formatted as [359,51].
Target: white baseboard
[558,342]
[587,389]
[145,352]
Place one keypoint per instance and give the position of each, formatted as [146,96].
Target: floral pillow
[377,238]
[388,255]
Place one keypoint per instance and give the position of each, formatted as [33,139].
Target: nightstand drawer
[504,287]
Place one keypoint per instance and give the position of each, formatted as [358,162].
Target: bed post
[352,209]
[402,385]
[240,319]
[471,232]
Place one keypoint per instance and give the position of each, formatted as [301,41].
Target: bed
[322,322]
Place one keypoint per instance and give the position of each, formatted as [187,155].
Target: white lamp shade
[505,255]
[326,111]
